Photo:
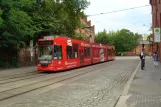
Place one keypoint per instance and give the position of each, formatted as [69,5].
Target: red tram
[61,53]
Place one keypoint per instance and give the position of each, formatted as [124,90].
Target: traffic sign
[156,34]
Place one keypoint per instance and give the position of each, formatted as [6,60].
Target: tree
[23,20]
[1,20]
[63,18]
[17,25]
[124,40]
[32,19]
[73,10]
[102,37]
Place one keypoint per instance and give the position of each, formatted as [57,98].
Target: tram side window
[69,52]
[57,52]
[75,50]
[86,52]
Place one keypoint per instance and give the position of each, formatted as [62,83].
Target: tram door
[81,55]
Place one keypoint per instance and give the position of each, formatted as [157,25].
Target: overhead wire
[118,10]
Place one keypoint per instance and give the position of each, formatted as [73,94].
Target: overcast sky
[134,19]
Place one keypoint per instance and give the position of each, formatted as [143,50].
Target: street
[98,85]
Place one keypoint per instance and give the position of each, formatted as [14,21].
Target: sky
[136,20]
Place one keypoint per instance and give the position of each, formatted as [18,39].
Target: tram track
[4,77]
[24,77]
[13,92]
[20,78]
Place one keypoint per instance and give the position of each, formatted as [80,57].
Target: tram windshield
[45,53]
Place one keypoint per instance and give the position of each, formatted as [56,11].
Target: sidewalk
[17,70]
[145,89]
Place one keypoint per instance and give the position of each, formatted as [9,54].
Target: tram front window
[45,53]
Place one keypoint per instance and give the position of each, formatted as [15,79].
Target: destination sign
[47,42]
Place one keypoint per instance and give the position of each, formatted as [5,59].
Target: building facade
[156,22]
[147,47]
[87,30]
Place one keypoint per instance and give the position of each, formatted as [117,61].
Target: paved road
[100,88]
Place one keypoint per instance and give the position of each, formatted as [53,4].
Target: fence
[7,60]
[27,56]
[18,58]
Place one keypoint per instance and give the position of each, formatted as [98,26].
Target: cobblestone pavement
[100,88]
[145,90]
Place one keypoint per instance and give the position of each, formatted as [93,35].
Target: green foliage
[8,64]
[19,19]
[124,40]
[58,18]
[1,20]
[16,28]
[17,25]
[72,12]
[102,37]
[22,20]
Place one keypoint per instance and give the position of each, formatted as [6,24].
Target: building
[87,30]
[147,47]
[156,21]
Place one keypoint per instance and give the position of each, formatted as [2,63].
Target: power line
[118,10]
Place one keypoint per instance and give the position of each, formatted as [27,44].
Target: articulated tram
[61,53]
